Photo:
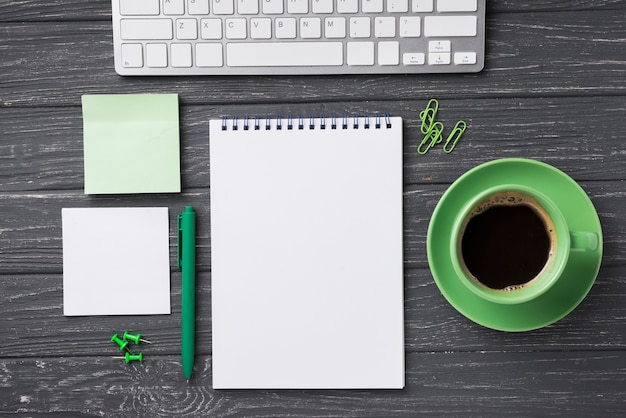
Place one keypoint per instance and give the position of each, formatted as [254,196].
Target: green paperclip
[434,135]
[455,135]
[427,116]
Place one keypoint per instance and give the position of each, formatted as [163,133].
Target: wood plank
[545,54]
[32,318]
[32,230]
[36,327]
[41,148]
[46,151]
[31,225]
[490,383]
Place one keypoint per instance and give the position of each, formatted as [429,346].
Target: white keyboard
[224,37]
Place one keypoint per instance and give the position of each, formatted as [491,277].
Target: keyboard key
[422,6]
[372,6]
[385,27]
[156,55]
[322,6]
[359,27]
[248,7]
[450,26]
[311,27]
[236,28]
[139,7]
[211,28]
[439,46]
[157,29]
[389,53]
[360,53]
[436,58]
[297,6]
[397,6]
[132,55]
[410,27]
[281,54]
[261,28]
[465,58]
[413,58]
[198,7]
[173,7]
[209,55]
[457,5]
[272,7]
[285,28]
[335,27]
[181,55]
[186,29]
[223,7]
[347,6]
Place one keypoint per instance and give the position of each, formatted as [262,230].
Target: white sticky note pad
[116,261]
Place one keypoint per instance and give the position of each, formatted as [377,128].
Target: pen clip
[180,241]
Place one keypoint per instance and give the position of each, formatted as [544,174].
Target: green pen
[187,263]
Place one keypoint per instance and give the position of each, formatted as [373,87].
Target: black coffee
[506,242]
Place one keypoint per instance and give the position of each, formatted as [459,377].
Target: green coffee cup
[514,244]
[528,238]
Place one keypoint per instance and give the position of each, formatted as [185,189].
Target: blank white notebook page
[306,256]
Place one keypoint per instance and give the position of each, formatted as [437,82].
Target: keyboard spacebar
[283,54]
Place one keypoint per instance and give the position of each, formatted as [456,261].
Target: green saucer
[582,266]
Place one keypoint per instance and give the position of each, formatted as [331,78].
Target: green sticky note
[131,143]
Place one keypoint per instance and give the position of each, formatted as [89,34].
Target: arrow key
[465,58]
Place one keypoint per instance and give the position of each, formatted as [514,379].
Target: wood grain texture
[32,242]
[546,54]
[554,89]
[487,383]
[573,133]
[34,326]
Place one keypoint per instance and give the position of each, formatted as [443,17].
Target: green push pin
[117,340]
[135,338]
[133,357]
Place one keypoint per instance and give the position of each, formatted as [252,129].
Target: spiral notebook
[306,253]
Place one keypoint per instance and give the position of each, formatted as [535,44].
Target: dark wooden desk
[554,89]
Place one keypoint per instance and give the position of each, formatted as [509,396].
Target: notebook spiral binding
[354,121]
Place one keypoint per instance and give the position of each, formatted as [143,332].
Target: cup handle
[584,241]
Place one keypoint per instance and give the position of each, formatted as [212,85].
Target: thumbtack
[135,338]
[133,357]
[117,340]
